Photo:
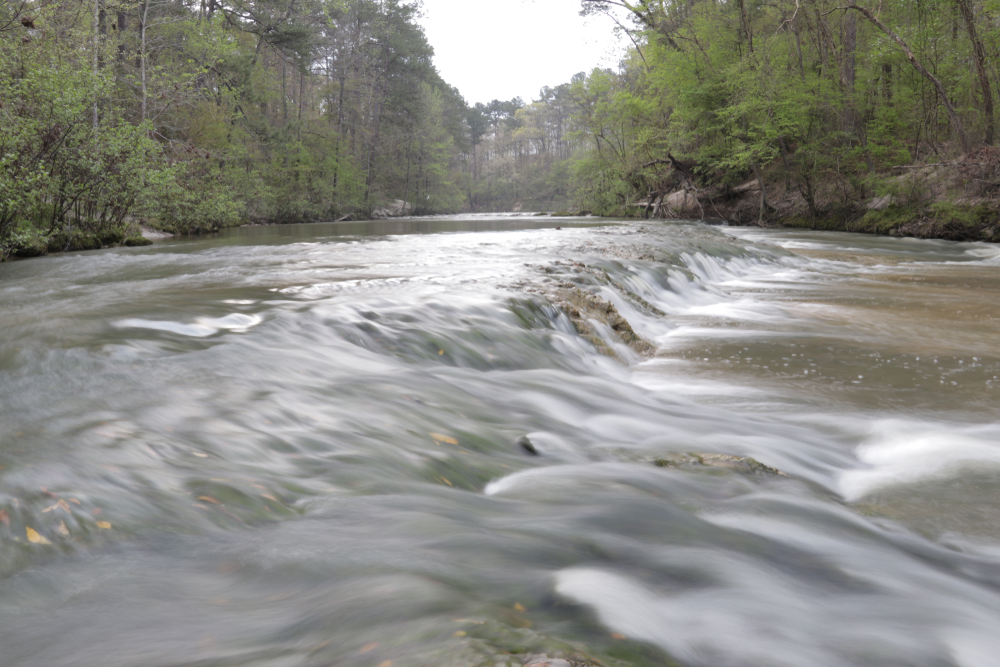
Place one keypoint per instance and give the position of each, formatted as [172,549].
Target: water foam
[900,452]
[202,327]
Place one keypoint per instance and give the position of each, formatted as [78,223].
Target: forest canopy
[191,115]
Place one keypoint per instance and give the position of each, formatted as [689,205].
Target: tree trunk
[142,57]
[122,27]
[97,52]
[848,72]
[956,122]
[980,55]
[745,18]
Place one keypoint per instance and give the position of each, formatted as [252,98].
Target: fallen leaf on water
[440,353]
[615,635]
[62,529]
[444,438]
[460,633]
[104,525]
[200,455]
[35,538]
[63,505]
[368,647]
[96,511]
[264,495]
[209,499]
[445,480]
[387,663]
[75,501]
[4,517]
[519,607]
[50,508]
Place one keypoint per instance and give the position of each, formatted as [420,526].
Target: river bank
[954,200]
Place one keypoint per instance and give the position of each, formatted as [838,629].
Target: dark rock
[75,240]
[85,241]
[112,237]
[527,445]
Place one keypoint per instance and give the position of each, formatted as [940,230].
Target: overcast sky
[509,48]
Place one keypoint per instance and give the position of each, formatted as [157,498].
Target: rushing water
[299,446]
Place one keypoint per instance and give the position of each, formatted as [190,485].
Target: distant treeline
[196,114]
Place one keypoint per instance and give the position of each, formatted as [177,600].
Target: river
[310,445]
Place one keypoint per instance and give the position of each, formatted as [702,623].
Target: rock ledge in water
[545,661]
[743,464]
[580,306]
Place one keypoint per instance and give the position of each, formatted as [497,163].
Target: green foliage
[950,213]
[195,118]
[802,92]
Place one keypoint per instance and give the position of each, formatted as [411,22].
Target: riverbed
[389,444]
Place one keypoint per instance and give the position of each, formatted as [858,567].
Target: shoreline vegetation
[188,116]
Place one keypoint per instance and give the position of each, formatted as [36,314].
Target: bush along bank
[31,242]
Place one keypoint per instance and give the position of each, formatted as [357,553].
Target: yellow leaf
[104,525]
[209,499]
[75,501]
[200,455]
[63,530]
[444,438]
[264,495]
[35,538]
[519,607]
[460,633]
[440,353]
[445,480]
[63,505]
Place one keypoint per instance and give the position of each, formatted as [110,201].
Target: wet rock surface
[693,461]
[584,308]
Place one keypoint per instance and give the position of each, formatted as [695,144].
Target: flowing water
[308,446]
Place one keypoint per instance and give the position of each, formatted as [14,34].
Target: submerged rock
[492,644]
[743,464]
[527,445]
[546,661]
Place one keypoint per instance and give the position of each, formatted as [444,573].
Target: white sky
[492,49]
